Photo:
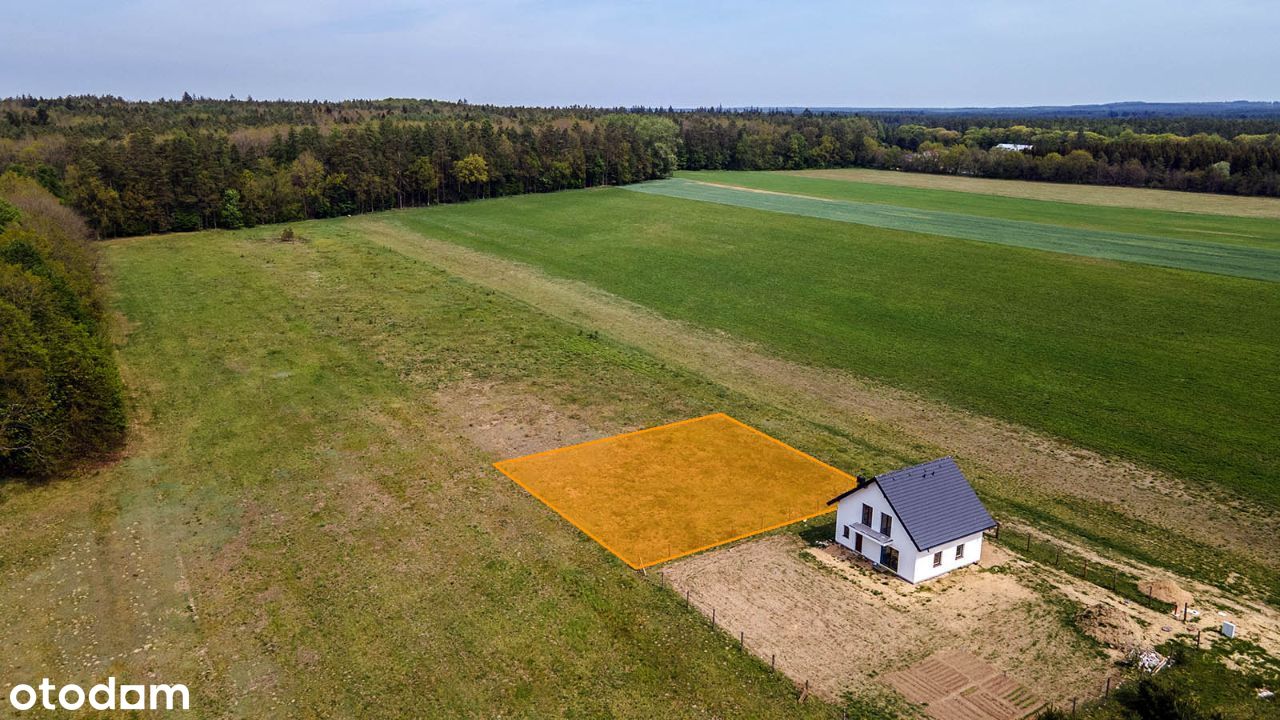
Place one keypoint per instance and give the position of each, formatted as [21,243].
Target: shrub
[8,213]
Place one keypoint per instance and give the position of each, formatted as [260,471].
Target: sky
[931,53]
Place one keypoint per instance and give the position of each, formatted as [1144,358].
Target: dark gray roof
[933,501]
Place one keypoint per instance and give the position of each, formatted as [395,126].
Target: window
[937,559]
[960,551]
[846,532]
[886,524]
[866,514]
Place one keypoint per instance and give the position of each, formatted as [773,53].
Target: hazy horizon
[990,53]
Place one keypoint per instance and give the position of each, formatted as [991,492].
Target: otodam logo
[103,696]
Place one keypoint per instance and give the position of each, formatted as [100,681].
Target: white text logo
[103,696]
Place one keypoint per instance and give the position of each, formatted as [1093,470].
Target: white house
[1013,147]
[919,522]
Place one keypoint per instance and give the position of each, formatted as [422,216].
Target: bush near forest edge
[60,393]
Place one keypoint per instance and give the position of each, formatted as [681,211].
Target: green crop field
[1170,222]
[1165,367]
[1221,258]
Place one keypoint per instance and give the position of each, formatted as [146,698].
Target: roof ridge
[918,466]
[934,501]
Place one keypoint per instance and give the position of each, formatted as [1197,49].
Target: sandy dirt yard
[840,625]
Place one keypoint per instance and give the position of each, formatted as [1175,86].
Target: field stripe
[1218,258]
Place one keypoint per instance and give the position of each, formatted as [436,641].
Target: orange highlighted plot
[657,494]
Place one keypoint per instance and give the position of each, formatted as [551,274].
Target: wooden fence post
[1073,706]
[742,639]
[713,617]
[1086,568]
[773,661]
[1107,692]
[1028,541]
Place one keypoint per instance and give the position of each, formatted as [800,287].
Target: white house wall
[924,568]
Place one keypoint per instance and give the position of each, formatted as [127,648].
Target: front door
[857,542]
[889,557]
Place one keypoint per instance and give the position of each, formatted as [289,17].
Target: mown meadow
[302,523]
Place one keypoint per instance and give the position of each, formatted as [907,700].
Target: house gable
[849,512]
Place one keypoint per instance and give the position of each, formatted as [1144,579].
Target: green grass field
[300,528]
[1173,222]
[1166,367]
[305,521]
[1215,257]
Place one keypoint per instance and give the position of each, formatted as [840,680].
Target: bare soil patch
[1166,590]
[507,421]
[958,685]
[1108,625]
[839,626]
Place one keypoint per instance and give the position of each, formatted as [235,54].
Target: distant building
[920,522]
[1015,147]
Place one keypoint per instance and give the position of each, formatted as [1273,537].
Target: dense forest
[141,167]
[60,393]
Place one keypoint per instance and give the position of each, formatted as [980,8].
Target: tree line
[1247,164]
[193,163]
[182,180]
[60,393]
